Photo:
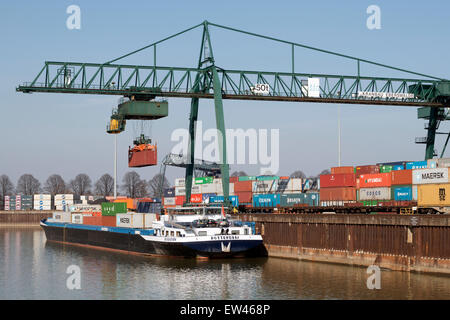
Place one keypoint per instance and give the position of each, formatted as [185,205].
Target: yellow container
[433,195]
[114,124]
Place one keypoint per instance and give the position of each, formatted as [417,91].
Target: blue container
[403,194]
[395,163]
[416,165]
[219,199]
[169,192]
[266,200]
[398,167]
[206,196]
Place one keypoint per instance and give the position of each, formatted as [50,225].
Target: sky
[44,133]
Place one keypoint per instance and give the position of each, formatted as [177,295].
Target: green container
[385,169]
[113,208]
[143,110]
[247,178]
[266,178]
[204,180]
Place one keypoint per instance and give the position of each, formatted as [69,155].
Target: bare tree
[239,174]
[105,185]
[28,185]
[298,174]
[155,185]
[81,184]
[55,184]
[326,171]
[6,186]
[133,186]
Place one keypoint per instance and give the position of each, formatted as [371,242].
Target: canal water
[32,268]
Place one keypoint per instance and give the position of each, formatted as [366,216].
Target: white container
[196,189]
[42,202]
[85,208]
[67,196]
[262,186]
[77,218]
[65,217]
[180,191]
[209,188]
[443,162]
[294,185]
[127,220]
[42,207]
[427,176]
[179,182]
[148,219]
[383,193]
[63,202]
[47,197]
[169,201]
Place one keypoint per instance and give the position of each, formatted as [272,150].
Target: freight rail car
[387,207]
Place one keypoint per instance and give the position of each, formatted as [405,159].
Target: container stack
[43,202]
[432,187]
[64,201]
[374,188]
[18,203]
[338,188]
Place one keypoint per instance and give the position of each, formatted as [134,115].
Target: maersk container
[134,220]
[266,200]
[398,167]
[417,165]
[402,193]
[219,199]
[430,176]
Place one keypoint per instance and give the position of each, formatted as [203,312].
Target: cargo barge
[185,235]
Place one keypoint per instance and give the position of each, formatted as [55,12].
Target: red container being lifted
[142,156]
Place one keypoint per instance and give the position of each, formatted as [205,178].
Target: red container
[107,221]
[367,170]
[234,179]
[244,196]
[338,194]
[195,198]
[284,178]
[375,180]
[337,180]
[142,158]
[342,170]
[179,200]
[243,186]
[401,177]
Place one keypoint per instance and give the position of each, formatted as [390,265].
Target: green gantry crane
[142,84]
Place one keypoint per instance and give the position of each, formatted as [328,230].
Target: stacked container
[63,201]
[432,187]
[401,186]
[374,188]
[43,202]
[337,189]
[18,202]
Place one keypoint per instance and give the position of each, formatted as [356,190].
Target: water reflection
[32,268]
